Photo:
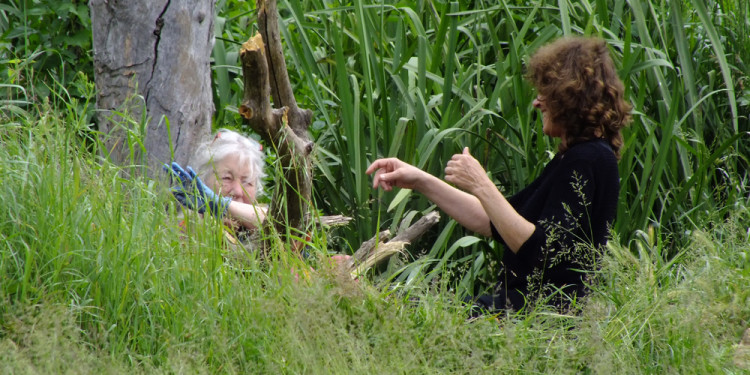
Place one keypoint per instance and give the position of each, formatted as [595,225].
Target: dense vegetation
[95,274]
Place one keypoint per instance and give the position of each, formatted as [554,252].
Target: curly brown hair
[581,89]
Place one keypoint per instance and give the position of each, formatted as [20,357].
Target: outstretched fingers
[180,173]
[381,168]
[191,172]
[197,180]
[379,180]
[378,164]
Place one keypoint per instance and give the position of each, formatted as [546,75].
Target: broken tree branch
[281,87]
[284,128]
[381,247]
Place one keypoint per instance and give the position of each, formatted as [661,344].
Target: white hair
[224,143]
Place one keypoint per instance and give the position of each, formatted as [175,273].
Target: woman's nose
[537,103]
[235,189]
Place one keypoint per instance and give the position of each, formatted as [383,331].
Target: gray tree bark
[159,50]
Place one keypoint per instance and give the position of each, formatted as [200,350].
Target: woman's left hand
[465,172]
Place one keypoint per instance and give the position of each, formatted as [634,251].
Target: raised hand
[192,193]
[465,172]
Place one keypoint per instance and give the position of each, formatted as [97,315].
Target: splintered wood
[255,43]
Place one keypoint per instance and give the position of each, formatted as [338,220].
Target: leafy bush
[53,36]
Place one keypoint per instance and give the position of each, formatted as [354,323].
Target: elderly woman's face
[548,127]
[233,179]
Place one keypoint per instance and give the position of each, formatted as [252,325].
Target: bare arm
[465,172]
[513,228]
[461,206]
[248,215]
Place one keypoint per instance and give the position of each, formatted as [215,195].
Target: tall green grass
[97,276]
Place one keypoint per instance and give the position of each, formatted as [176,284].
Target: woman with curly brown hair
[555,227]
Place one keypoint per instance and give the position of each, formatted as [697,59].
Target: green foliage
[54,37]
[652,312]
[46,52]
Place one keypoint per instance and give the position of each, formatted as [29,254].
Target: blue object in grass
[192,193]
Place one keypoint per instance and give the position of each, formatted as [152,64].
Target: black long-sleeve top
[572,204]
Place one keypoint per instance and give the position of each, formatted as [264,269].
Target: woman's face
[548,127]
[233,179]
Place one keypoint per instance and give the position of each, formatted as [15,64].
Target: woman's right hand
[392,172]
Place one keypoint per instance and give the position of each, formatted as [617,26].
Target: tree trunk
[283,127]
[159,50]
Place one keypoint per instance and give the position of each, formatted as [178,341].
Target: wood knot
[246,112]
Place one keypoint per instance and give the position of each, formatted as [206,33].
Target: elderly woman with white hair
[232,167]
[228,179]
